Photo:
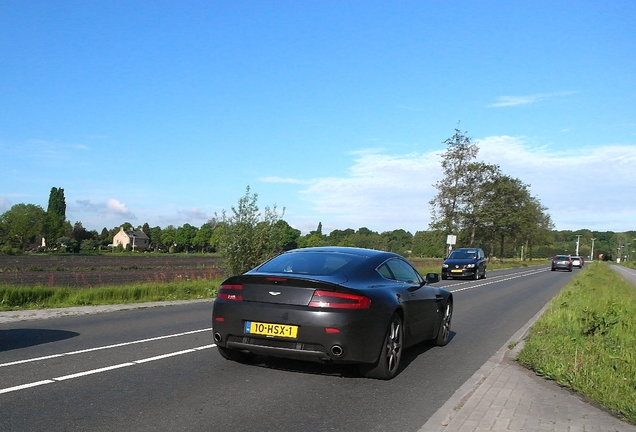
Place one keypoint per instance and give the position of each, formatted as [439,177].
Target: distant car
[577,261]
[562,262]
[465,263]
[331,305]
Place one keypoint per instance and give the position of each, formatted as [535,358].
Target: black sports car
[334,305]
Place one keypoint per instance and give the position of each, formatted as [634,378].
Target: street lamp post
[592,253]
[578,240]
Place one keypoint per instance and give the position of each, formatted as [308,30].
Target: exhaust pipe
[337,351]
[217,337]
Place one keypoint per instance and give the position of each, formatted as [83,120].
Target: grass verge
[39,297]
[586,340]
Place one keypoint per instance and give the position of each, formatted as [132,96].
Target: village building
[137,239]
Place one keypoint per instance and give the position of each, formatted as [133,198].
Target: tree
[454,186]
[246,236]
[398,241]
[284,235]
[56,217]
[341,237]
[510,213]
[80,233]
[169,238]
[429,244]
[21,224]
[477,175]
[481,205]
[155,238]
[202,240]
[185,235]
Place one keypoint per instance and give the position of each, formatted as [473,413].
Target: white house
[138,240]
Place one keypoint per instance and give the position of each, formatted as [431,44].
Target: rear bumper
[358,338]
[465,273]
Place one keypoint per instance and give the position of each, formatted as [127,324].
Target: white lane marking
[26,386]
[93,371]
[84,351]
[104,369]
[499,279]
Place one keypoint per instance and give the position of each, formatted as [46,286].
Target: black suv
[465,263]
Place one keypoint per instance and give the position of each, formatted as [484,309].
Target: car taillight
[230,292]
[335,300]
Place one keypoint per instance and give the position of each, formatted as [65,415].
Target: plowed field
[88,271]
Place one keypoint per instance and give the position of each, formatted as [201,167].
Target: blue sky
[165,111]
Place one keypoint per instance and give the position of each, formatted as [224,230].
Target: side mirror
[432,278]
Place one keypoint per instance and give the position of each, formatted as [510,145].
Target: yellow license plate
[456,271]
[267,329]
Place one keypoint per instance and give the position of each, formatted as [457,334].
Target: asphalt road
[157,369]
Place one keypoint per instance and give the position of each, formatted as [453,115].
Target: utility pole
[578,240]
[592,253]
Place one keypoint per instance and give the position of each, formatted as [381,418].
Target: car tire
[235,355]
[476,276]
[443,334]
[389,361]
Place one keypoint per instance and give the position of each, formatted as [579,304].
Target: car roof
[343,249]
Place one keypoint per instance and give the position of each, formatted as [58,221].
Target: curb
[442,417]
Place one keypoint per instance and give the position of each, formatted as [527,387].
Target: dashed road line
[104,369]
[499,279]
[84,351]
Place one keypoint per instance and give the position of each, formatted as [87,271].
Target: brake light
[336,300]
[276,279]
[230,292]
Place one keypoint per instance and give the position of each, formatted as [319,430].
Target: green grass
[586,339]
[40,297]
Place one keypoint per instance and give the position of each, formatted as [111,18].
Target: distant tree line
[22,226]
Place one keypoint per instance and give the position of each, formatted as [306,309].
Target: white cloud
[381,192]
[4,205]
[108,207]
[194,214]
[506,101]
[581,187]
[117,207]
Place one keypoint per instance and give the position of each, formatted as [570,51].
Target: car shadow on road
[410,354]
[23,338]
[306,367]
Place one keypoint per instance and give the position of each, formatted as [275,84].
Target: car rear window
[311,263]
